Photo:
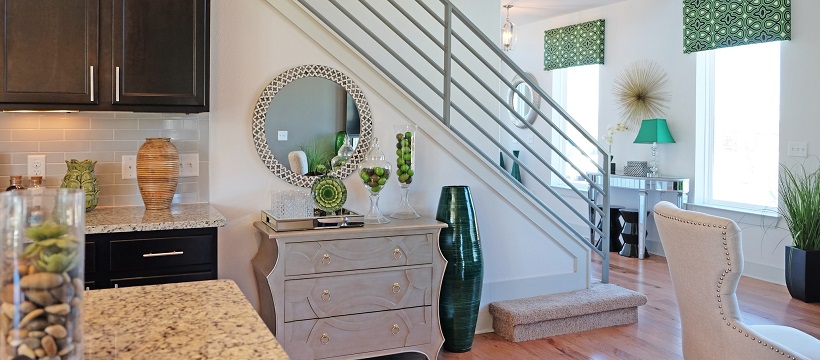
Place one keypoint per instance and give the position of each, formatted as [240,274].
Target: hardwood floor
[657,333]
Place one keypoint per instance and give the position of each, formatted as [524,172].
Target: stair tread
[595,299]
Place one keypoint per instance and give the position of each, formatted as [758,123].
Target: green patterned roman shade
[715,24]
[574,45]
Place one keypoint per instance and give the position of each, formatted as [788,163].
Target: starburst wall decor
[640,90]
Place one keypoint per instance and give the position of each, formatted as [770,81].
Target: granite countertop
[194,320]
[136,218]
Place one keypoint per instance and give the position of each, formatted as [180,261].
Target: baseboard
[522,288]
[764,272]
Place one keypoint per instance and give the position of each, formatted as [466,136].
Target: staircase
[452,80]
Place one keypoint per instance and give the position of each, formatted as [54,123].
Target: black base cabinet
[150,257]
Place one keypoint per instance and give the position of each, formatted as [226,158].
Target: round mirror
[519,105]
[303,114]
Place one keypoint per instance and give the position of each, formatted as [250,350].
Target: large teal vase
[516,170]
[461,287]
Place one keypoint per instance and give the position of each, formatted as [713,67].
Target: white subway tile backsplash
[105,134]
[48,122]
[128,200]
[113,123]
[62,146]
[117,145]
[141,135]
[178,134]
[37,135]
[104,137]
[19,146]
[99,156]
[140,116]
[23,121]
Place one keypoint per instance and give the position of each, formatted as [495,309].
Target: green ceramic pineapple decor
[80,175]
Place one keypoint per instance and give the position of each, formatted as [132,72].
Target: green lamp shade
[652,131]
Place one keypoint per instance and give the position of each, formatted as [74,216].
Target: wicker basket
[157,172]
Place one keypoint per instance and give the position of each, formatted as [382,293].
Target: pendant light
[508,35]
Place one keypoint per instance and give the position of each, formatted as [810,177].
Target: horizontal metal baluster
[527,101]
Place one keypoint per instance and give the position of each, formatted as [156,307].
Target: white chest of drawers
[352,293]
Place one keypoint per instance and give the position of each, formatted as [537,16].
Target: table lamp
[654,131]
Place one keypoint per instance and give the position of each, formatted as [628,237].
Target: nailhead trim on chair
[725,272]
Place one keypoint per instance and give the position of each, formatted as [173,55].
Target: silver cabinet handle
[117,83]
[91,75]
[170,253]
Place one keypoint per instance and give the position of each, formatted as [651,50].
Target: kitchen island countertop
[136,218]
[194,320]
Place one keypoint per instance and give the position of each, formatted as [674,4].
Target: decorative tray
[321,220]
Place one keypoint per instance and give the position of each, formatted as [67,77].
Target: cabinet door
[50,50]
[160,52]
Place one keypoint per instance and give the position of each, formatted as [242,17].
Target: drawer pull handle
[326,259]
[170,253]
[395,329]
[396,254]
[324,339]
[396,288]
[326,295]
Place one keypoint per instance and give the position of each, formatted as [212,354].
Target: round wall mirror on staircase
[519,105]
[304,110]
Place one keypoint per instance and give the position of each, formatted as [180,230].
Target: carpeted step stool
[599,306]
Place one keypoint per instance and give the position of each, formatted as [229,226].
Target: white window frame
[704,145]
[559,94]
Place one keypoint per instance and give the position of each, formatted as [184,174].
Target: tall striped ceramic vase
[461,287]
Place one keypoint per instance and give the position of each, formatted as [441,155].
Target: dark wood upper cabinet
[105,55]
[159,52]
[50,51]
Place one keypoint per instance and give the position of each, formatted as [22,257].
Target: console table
[351,293]
[643,185]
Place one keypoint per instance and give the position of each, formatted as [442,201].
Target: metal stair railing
[449,64]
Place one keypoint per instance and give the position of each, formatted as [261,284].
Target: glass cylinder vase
[405,169]
[374,172]
[43,241]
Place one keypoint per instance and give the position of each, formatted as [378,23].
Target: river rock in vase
[41,274]
[157,172]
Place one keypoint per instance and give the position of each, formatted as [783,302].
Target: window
[576,90]
[741,111]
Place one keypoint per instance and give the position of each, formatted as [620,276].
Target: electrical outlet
[188,165]
[129,166]
[37,165]
[282,136]
[798,149]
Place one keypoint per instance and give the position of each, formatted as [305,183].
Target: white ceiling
[527,11]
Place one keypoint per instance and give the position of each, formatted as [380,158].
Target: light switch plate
[188,165]
[282,136]
[129,167]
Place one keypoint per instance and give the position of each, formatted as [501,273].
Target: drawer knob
[396,253]
[326,295]
[326,259]
[395,329]
[324,339]
[396,288]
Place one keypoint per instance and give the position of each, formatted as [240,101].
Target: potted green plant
[800,195]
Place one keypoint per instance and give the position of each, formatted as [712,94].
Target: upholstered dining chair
[706,260]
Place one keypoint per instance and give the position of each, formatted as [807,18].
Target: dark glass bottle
[15,183]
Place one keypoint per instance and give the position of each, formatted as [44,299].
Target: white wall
[652,30]
[251,44]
